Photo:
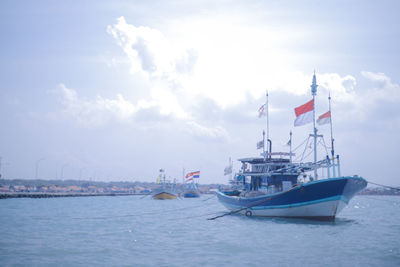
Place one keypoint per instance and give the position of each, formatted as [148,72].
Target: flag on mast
[191,175]
[228,170]
[324,118]
[261,111]
[304,113]
[260,144]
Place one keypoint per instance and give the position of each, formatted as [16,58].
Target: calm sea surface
[135,231]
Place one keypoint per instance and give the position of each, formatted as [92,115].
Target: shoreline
[52,195]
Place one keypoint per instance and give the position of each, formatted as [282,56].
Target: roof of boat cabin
[259,160]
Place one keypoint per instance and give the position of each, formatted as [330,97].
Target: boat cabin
[272,174]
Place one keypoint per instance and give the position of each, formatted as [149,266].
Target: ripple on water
[144,232]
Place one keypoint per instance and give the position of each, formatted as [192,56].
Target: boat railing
[291,168]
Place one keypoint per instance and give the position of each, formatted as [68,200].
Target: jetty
[52,195]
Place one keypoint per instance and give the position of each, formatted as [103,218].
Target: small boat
[191,191]
[276,186]
[167,190]
[190,188]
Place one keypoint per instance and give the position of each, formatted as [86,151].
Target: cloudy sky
[115,90]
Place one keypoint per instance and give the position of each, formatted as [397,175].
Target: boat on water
[190,189]
[166,190]
[276,186]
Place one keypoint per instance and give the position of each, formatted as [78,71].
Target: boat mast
[267,119]
[265,151]
[290,144]
[332,140]
[314,93]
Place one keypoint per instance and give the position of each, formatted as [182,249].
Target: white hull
[323,210]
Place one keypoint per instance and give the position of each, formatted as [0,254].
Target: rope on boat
[386,200]
[197,216]
[247,207]
[146,195]
[209,198]
[395,188]
[228,213]
[148,213]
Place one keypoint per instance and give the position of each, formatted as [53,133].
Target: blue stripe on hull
[343,188]
[191,194]
[263,207]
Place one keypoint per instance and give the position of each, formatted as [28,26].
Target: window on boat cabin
[260,168]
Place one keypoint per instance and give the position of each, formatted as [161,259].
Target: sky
[116,90]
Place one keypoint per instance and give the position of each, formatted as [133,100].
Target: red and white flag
[304,113]
[324,118]
[261,111]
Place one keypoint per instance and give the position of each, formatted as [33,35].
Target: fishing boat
[274,185]
[166,190]
[190,188]
[191,191]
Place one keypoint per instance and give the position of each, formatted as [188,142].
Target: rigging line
[395,188]
[305,148]
[309,153]
[300,144]
[324,145]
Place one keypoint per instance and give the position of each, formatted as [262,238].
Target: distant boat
[191,191]
[278,186]
[167,190]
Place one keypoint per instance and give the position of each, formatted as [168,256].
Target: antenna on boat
[264,152]
[267,117]
[314,93]
[268,152]
[290,144]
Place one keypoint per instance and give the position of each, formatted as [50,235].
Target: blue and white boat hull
[321,200]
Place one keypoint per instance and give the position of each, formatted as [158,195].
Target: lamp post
[37,167]
[2,165]
[80,173]
[62,171]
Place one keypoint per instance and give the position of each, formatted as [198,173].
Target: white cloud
[100,111]
[228,61]
[342,89]
[95,112]
[223,59]
[150,52]
[383,89]
[215,133]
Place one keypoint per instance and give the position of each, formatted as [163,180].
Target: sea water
[140,231]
